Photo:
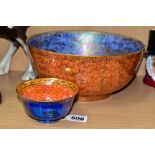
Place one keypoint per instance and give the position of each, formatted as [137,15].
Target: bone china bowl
[42,98]
[99,63]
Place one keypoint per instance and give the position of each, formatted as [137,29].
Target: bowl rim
[87,31]
[46,78]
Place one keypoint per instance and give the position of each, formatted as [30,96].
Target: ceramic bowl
[99,63]
[46,111]
[150,66]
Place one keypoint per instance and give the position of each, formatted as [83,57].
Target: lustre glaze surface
[99,63]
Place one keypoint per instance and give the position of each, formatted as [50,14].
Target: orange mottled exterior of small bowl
[94,75]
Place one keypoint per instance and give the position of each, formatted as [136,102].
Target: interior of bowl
[85,43]
[44,87]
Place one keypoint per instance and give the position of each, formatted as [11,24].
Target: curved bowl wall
[99,63]
[47,111]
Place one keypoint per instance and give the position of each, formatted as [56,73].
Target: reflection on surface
[85,43]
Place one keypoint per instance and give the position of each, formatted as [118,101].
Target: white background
[77,13]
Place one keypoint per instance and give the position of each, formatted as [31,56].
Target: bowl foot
[47,121]
[93,98]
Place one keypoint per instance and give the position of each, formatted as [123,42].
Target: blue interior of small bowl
[85,43]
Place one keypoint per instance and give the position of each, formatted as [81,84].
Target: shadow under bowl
[99,63]
[47,111]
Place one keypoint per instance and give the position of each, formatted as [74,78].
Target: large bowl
[99,63]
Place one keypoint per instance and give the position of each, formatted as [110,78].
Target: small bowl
[47,110]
